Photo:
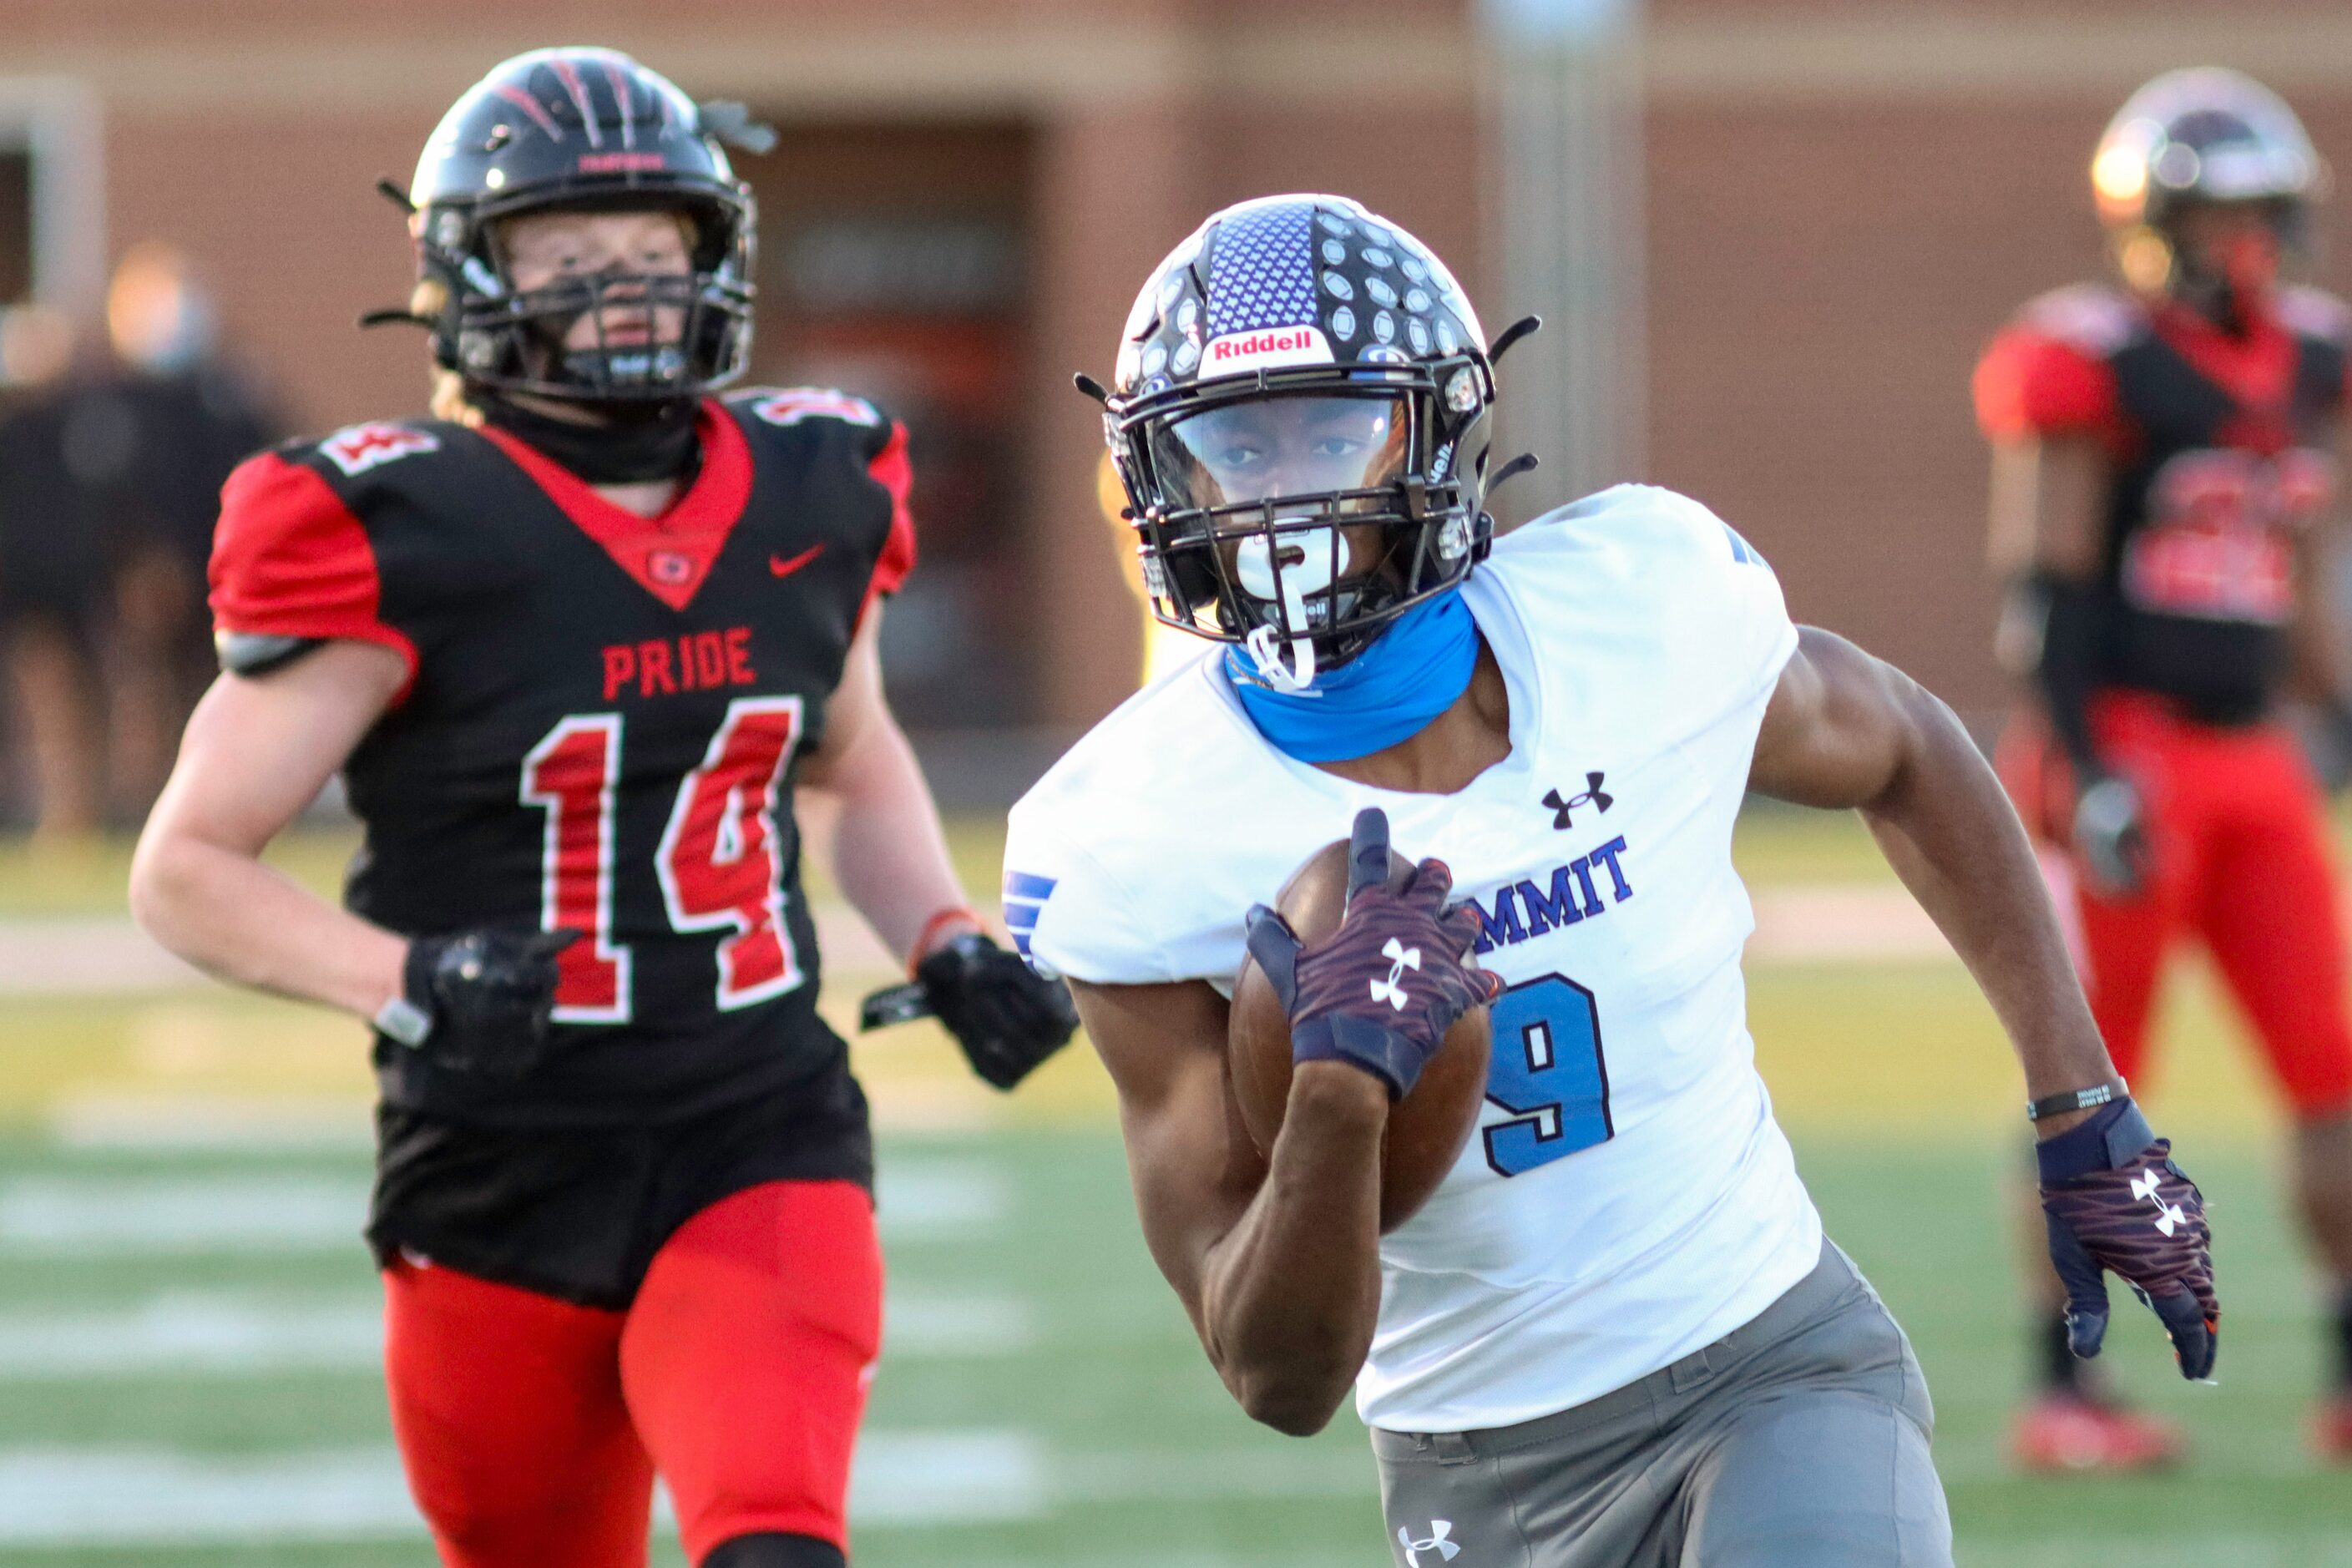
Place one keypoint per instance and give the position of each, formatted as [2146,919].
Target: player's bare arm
[876,826]
[1276,1260]
[878,829]
[2320,670]
[257,750]
[1844,729]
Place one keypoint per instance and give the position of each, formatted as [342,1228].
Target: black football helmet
[2200,136]
[581,128]
[1301,418]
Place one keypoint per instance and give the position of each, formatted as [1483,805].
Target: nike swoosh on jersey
[783,568]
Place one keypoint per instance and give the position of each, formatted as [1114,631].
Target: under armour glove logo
[1593,795]
[1401,958]
[1346,994]
[2115,1203]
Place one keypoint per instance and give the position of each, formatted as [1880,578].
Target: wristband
[2089,1099]
[2115,1135]
[405,1021]
[959,915]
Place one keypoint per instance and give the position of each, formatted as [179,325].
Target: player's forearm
[1949,833]
[887,848]
[1293,1291]
[238,920]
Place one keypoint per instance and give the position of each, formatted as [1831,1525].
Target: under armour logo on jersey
[1401,958]
[1439,1540]
[1593,795]
[2170,1217]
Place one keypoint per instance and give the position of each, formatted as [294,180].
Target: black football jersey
[2223,458]
[601,726]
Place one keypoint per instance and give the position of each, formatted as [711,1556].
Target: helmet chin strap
[1268,658]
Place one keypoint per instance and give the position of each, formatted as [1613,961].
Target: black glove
[478,1001]
[1380,992]
[2110,836]
[1006,1018]
[2114,1202]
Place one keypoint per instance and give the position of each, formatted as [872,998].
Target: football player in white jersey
[1616,1334]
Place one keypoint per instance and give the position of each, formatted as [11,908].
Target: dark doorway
[15,226]
[893,263]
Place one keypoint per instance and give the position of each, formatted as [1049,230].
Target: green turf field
[186,1320]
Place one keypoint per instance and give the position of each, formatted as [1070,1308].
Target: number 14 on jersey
[720,862]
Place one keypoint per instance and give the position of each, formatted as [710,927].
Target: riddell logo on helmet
[620,162]
[1264,349]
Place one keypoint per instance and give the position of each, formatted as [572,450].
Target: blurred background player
[2167,504]
[575,645]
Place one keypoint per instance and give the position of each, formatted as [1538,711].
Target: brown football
[1428,1128]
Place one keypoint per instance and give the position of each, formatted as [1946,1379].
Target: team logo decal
[358,448]
[796,403]
[668,566]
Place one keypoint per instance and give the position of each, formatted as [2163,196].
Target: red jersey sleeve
[891,471]
[290,559]
[2032,383]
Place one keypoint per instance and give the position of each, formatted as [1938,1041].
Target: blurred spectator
[52,578]
[111,469]
[152,443]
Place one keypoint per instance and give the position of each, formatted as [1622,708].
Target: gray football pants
[1797,1441]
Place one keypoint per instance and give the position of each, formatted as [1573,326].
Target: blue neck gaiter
[1413,672]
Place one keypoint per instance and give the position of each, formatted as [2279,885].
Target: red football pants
[532,1429]
[2238,857]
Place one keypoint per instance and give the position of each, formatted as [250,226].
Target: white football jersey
[1628,1197]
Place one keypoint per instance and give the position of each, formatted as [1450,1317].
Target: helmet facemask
[1298,522]
[650,336]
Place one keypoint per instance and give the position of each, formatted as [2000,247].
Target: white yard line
[113,1217]
[194,1333]
[77,1497]
[121,1217]
[231,1334]
[204,1124]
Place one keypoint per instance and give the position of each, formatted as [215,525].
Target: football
[1428,1128]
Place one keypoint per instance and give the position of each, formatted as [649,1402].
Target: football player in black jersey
[574,646]
[2167,478]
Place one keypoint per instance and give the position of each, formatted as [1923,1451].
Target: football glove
[2114,1202]
[1007,1019]
[2110,836]
[1380,992]
[478,1001]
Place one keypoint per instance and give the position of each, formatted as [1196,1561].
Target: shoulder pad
[356,449]
[2314,313]
[2090,317]
[788,405]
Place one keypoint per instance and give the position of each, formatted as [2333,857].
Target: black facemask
[630,443]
